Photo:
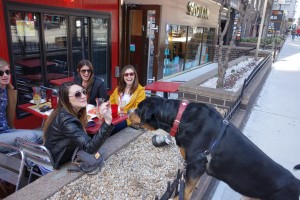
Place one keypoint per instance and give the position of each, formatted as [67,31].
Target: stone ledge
[48,185]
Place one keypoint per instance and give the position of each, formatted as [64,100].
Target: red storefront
[44,41]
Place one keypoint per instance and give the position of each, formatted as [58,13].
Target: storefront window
[175,59]
[79,39]
[26,52]
[56,46]
[100,47]
[49,46]
[209,44]
[194,46]
[187,47]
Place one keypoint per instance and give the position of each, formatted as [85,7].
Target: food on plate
[92,111]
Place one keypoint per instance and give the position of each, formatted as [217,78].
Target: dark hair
[85,62]
[64,102]
[122,84]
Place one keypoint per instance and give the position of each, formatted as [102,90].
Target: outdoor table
[60,81]
[165,87]
[32,109]
[115,120]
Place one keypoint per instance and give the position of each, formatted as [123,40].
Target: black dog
[234,158]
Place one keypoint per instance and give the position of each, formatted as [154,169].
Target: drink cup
[48,95]
[99,102]
[54,101]
[37,96]
[114,110]
[122,107]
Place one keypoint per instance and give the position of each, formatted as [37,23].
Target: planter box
[219,98]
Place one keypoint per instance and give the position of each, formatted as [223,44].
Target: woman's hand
[105,110]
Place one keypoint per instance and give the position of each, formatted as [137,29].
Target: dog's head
[153,113]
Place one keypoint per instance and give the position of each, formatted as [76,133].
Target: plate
[91,112]
[42,101]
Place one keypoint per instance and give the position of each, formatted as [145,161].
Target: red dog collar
[176,122]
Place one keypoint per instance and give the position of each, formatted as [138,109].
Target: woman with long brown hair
[64,129]
[129,91]
[94,85]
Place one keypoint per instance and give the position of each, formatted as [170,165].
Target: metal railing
[236,105]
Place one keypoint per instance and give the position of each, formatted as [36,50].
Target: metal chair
[12,165]
[36,155]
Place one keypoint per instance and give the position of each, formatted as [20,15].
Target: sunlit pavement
[274,123]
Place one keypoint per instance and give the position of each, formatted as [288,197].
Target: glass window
[66,40]
[177,50]
[56,46]
[209,48]
[26,52]
[194,45]
[79,38]
[100,47]
[187,47]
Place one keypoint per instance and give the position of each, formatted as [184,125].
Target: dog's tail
[297,167]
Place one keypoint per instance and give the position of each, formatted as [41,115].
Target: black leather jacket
[65,133]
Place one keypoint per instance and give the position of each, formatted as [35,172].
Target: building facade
[162,38]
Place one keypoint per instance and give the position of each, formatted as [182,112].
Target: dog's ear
[148,110]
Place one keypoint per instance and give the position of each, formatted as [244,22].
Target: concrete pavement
[274,122]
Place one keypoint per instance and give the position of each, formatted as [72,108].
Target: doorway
[140,36]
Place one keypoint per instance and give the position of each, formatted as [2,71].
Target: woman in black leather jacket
[94,85]
[64,129]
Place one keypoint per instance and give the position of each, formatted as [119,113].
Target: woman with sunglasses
[8,101]
[94,85]
[64,128]
[129,91]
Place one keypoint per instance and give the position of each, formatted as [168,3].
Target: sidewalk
[274,123]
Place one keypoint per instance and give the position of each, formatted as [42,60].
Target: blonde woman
[8,101]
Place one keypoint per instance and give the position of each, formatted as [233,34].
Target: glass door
[141,40]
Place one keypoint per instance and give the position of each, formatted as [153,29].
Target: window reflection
[100,47]
[89,39]
[56,46]
[177,47]
[26,52]
[188,47]
[79,38]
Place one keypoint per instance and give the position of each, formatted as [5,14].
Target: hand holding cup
[106,112]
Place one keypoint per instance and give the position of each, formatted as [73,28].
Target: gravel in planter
[138,171]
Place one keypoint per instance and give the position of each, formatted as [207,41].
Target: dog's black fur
[235,159]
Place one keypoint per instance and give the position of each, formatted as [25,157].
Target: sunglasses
[78,94]
[83,71]
[6,72]
[129,74]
